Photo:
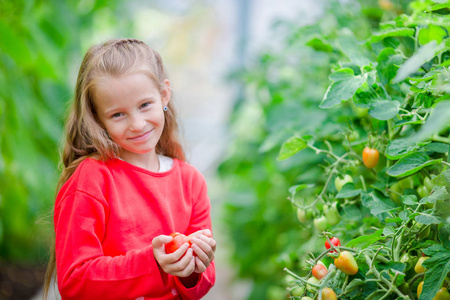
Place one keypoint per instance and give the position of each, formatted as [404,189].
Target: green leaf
[438,265]
[439,193]
[411,163]
[436,122]
[388,231]
[299,187]
[409,200]
[365,241]
[388,63]
[384,109]
[409,120]
[427,219]
[352,48]
[424,54]
[432,33]
[348,191]
[442,179]
[291,147]
[377,205]
[399,148]
[351,213]
[378,36]
[319,44]
[444,235]
[344,87]
[353,285]
[436,147]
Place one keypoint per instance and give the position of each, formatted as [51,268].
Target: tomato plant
[373,78]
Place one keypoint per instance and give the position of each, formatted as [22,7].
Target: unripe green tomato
[332,215]
[321,223]
[353,136]
[325,208]
[396,190]
[423,191]
[307,298]
[298,291]
[408,260]
[312,280]
[340,182]
[301,215]
[406,183]
[428,184]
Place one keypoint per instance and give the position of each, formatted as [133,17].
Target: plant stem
[392,287]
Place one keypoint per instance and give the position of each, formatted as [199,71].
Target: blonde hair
[85,136]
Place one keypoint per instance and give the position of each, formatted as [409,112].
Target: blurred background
[221,56]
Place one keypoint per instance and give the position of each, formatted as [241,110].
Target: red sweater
[106,216]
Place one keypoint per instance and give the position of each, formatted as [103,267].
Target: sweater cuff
[189,293]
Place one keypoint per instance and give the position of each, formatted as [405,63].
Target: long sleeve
[83,270]
[200,219]
[106,216]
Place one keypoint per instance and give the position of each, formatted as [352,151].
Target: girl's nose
[137,123]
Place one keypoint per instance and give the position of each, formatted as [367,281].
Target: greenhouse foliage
[343,138]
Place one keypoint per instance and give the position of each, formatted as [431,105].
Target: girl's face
[130,108]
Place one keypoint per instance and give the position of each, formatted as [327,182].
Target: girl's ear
[165,93]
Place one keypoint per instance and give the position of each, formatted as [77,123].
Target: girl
[125,187]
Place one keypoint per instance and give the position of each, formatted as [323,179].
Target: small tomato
[302,215]
[307,298]
[423,191]
[311,288]
[298,291]
[177,241]
[340,182]
[334,241]
[319,271]
[370,157]
[443,294]
[321,223]
[428,184]
[419,289]
[346,263]
[328,294]
[418,267]
[332,215]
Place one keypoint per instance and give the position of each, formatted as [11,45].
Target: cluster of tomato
[343,261]
[330,215]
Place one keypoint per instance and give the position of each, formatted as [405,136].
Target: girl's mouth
[141,137]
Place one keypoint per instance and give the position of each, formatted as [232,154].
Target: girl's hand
[204,246]
[174,263]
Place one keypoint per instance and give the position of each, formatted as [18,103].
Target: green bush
[388,91]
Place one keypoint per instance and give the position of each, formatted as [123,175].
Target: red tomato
[177,241]
[319,271]
[370,157]
[334,241]
[346,263]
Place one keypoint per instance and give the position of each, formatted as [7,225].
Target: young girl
[125,187]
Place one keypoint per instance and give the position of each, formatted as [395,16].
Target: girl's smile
[142,137]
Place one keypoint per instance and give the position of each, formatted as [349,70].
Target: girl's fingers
[200,267]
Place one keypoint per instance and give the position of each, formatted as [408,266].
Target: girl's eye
[116,115]
[146,104]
